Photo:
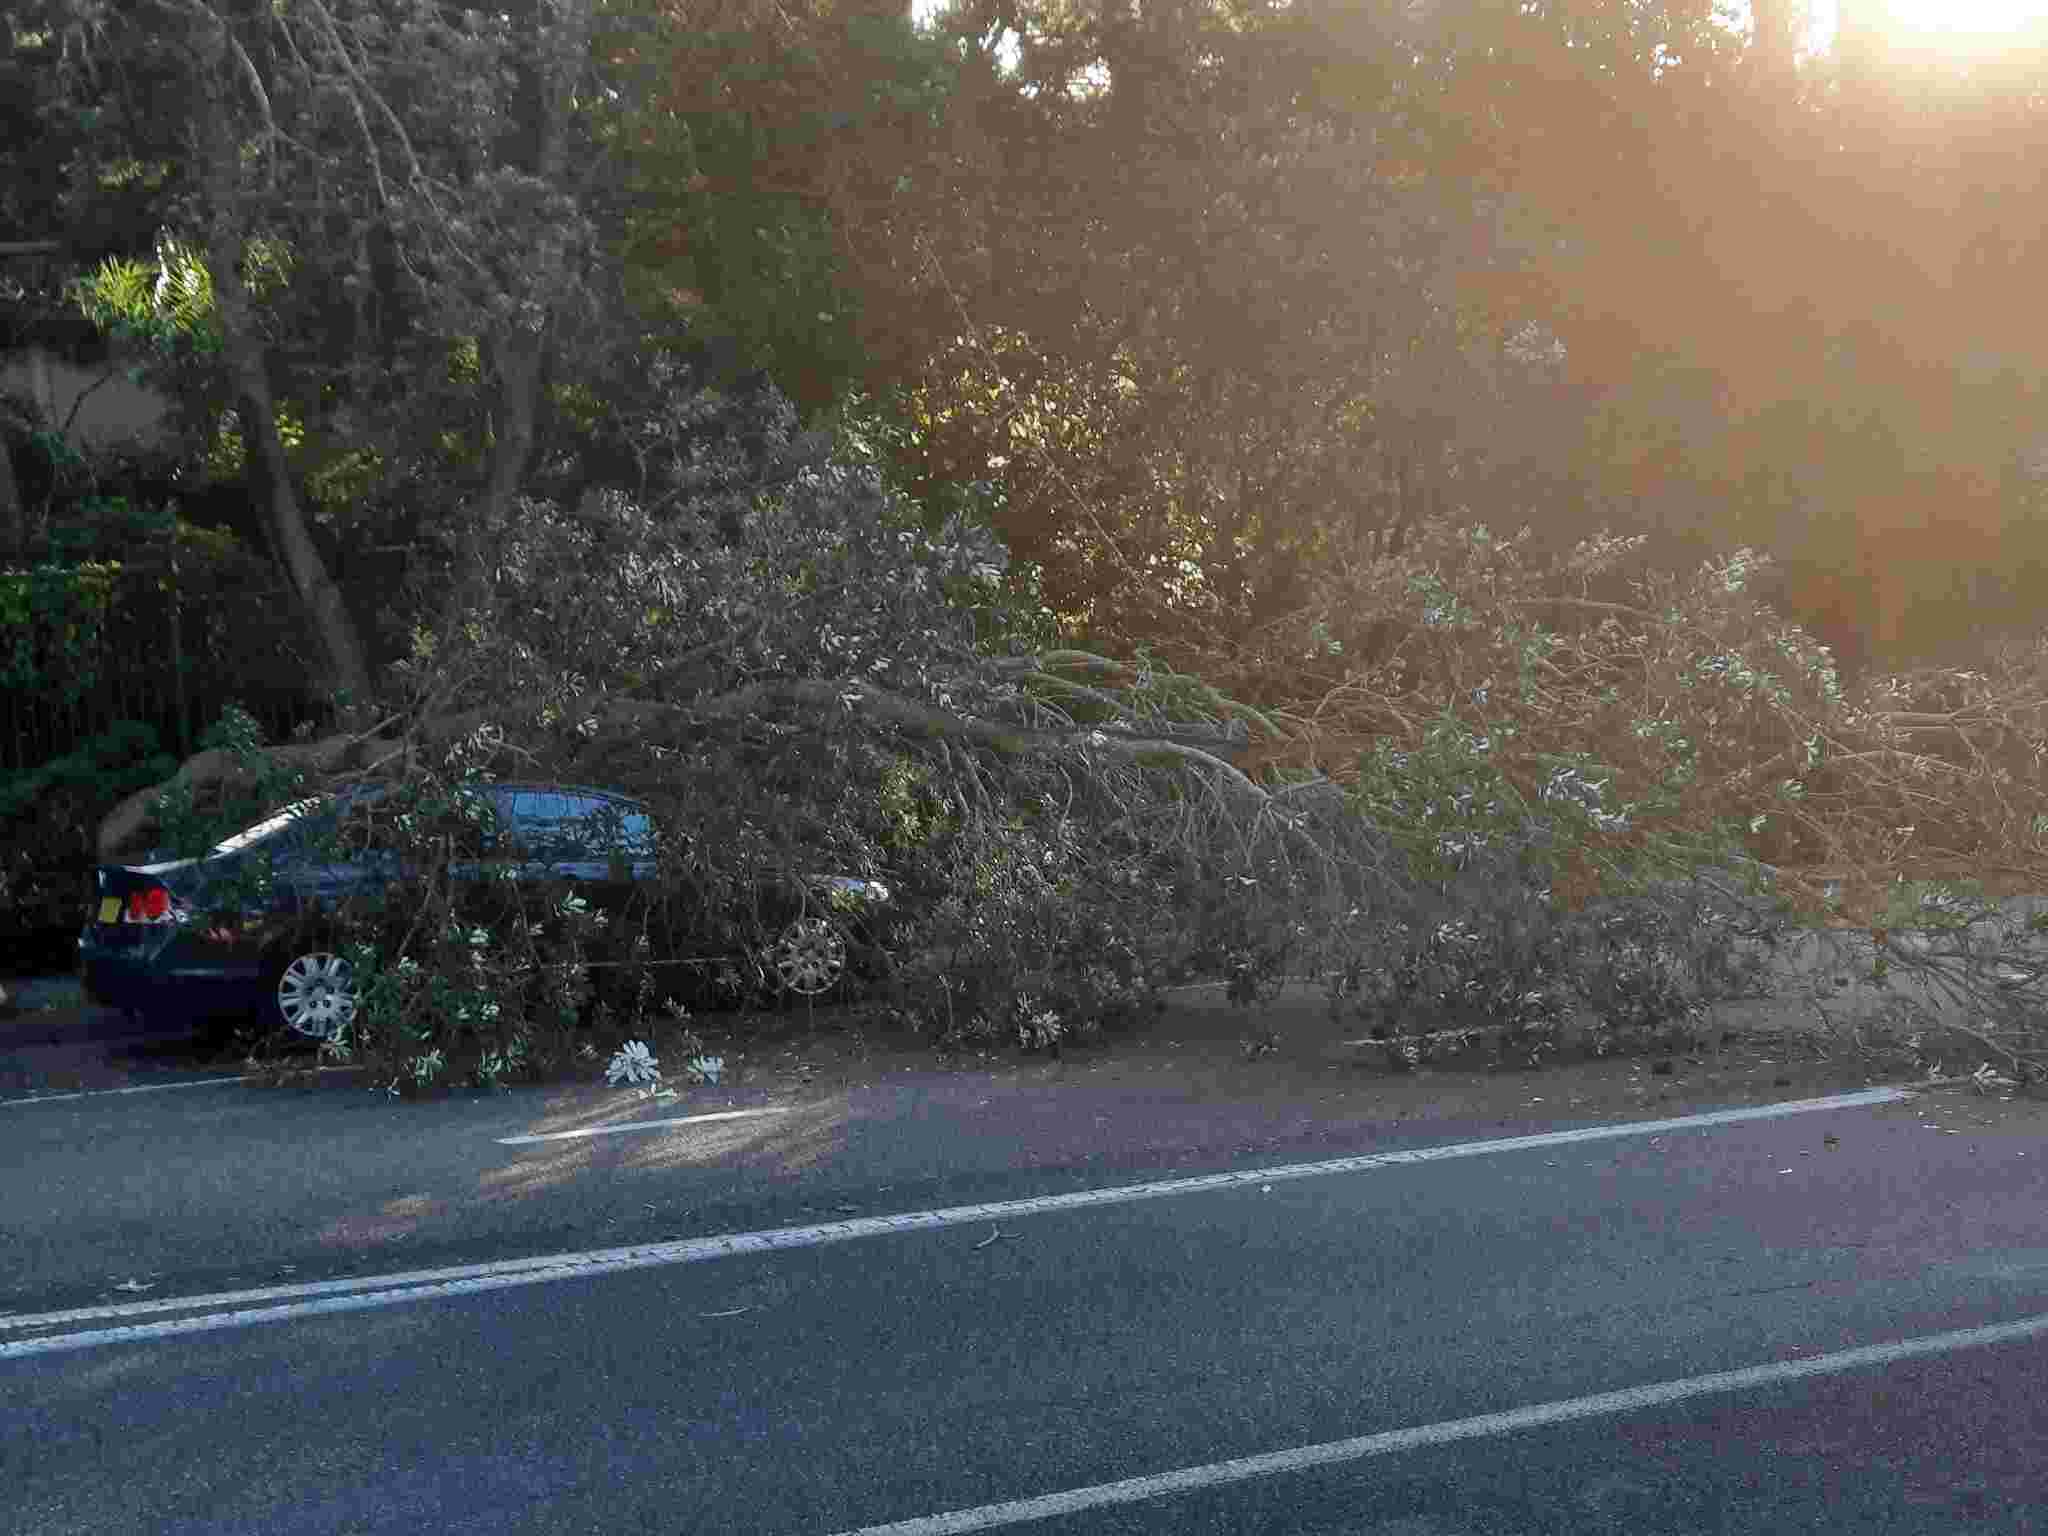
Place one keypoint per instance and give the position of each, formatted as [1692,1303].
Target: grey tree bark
[555,34]
[13,513]
[345,663]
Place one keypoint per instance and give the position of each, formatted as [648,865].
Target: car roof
[360,794]
[374,791]
[555,786]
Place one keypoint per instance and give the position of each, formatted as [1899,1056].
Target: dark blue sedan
[241,928]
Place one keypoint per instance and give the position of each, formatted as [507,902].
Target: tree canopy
[1208,292]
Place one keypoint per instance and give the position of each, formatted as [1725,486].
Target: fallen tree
[802,679]
[791,681]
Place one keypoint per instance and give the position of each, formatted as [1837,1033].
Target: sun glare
[1968,28]
[1968,18]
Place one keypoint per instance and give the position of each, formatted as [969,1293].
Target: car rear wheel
[809,957]
[311,992]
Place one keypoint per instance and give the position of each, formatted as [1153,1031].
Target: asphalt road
[779,1334]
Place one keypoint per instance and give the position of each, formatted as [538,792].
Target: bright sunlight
[1972,25]
[1973,18]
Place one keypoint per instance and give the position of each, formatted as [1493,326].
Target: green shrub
[49,816]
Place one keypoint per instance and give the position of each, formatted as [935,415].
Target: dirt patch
[1197,1053]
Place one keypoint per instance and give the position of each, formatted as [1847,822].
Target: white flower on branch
[633,1064]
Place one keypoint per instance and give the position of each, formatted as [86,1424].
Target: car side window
[505,834]
[610,827]
[555,826]
[639,834]
[617,827]
[550,824]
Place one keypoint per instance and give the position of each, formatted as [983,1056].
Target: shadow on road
[51,1041]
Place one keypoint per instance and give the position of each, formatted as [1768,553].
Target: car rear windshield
[270,826]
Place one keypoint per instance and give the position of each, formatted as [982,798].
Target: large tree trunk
[13,514]
[344,666]
[514,360]
[556,39]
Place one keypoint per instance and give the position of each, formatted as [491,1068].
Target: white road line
[202,1082]
[1630,1399]
[162,1088]
[95,1093]
[636,1125]
[232,1309]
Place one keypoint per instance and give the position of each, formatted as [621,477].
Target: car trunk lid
[139,904]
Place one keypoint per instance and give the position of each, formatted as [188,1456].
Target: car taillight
[152,905]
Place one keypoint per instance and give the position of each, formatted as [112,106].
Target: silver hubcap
[316,995]
[809,956]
